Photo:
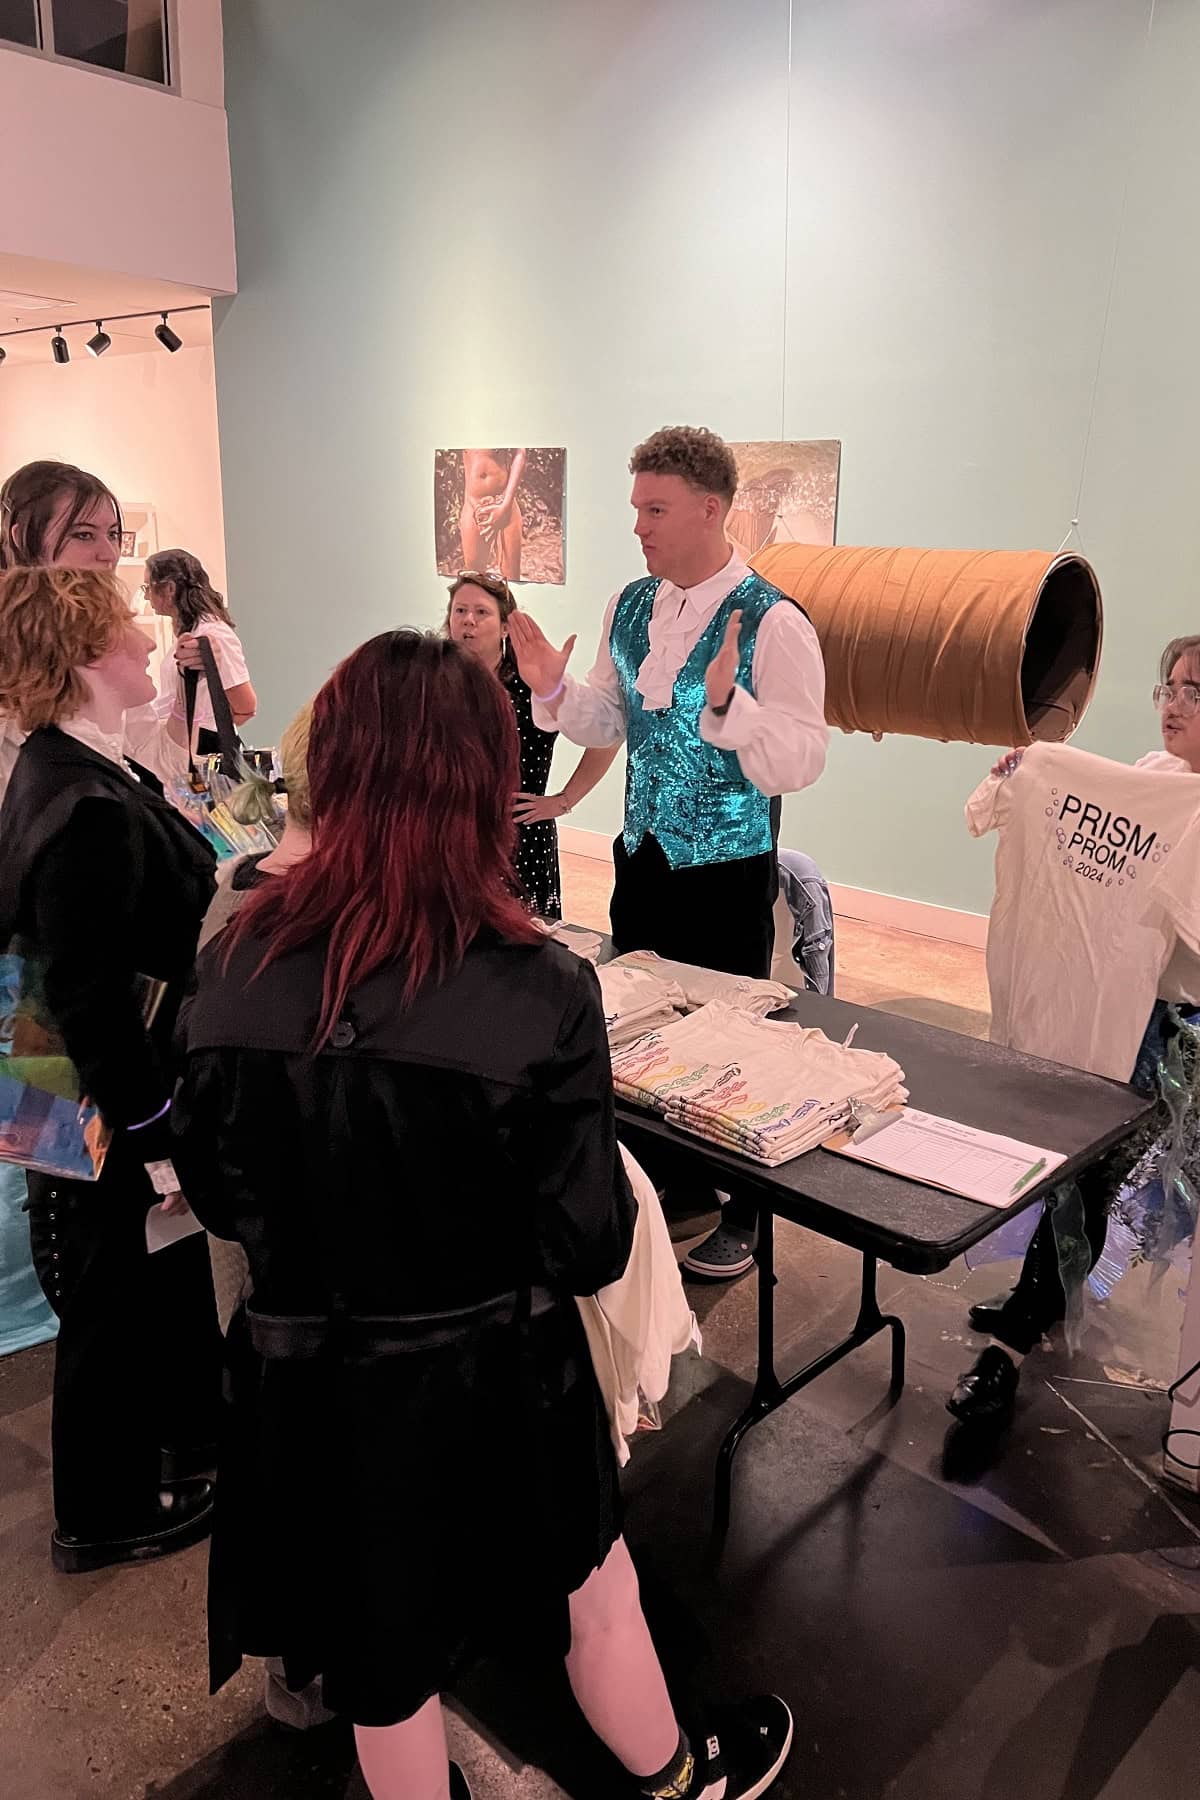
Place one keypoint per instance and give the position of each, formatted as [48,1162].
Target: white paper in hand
[169,1228]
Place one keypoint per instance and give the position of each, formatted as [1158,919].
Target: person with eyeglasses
[1037,1303]
[1177,698]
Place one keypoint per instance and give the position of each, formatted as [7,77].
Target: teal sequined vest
[690,796]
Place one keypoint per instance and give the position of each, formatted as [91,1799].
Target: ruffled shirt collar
[679,620]
[82,730]
[104,743]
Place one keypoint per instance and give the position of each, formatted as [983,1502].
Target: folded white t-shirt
[1097,883]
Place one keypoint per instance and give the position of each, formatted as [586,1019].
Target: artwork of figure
[787,493]
[491,519]
[500,512]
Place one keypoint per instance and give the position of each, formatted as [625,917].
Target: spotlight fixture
[100,342]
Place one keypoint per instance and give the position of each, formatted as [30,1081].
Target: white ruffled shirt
[778,732]
[146,740]
[104,743]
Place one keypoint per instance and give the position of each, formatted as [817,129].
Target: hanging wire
[787,226]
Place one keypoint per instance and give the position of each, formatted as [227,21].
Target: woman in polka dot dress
[477,618]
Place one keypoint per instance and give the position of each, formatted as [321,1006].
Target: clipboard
[957,1158]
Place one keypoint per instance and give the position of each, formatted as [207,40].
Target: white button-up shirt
[778,733]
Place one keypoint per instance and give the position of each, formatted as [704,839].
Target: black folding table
[918,1229]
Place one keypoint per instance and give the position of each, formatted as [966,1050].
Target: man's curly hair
[699,457]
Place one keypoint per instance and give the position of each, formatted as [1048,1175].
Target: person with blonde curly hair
[714,680]
[103,884]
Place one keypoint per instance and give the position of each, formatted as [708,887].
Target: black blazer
[431,1156]
[101,881]
[416,1433]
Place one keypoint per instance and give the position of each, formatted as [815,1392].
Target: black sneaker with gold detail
[741,1757]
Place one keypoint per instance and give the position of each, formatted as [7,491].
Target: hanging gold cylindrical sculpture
[968,646]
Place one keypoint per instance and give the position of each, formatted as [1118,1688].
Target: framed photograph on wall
[501,512]
[787,494]
[139,537]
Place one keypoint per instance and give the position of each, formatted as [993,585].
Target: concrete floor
[1018,1625]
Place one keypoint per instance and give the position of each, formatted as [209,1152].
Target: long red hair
[413,762]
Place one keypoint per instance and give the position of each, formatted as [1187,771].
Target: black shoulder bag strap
[227,736]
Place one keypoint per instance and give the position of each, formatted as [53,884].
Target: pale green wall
[569,223]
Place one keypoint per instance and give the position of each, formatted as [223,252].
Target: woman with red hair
[398,1098]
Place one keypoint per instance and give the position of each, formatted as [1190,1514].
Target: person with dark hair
[102,884]
[986,1393]
[53,514]
[178,588]
[714,680]
[477,617]
[398,1097]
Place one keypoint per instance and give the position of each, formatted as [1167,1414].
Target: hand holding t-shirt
[1097,884]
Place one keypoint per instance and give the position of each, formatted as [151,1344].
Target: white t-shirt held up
[1097,891]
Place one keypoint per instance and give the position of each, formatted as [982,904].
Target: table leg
[769,1392]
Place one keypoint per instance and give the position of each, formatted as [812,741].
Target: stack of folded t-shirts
[764,1088]
[700,986]
[636,1001]
[587,944]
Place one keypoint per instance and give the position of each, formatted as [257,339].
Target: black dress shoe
[1013,1323]
[987,1394]
[186,1463]
[182,1517]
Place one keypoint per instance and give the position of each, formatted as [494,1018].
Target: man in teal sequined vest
[716,684]
[691,796]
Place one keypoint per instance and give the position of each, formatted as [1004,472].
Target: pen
[1027,1177]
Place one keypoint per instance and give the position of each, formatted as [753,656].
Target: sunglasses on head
[495,585]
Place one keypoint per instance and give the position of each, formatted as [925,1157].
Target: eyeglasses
[1185,698]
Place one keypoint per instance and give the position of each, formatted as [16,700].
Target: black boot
[1036,1304]
[188,1463]
[1014,1323]
[181,1516]
[987,1394]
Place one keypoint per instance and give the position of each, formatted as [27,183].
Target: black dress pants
[718,916]
[138,1358]
[1039,1290]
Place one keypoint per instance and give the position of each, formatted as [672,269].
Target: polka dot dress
[537,845]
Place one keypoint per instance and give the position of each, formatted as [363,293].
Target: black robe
[418,1464]
[102,881]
